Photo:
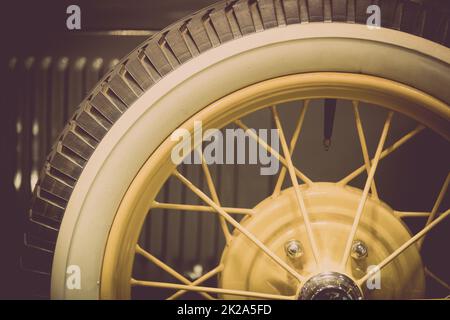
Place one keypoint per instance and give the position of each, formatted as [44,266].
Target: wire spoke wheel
[357,207]
[309,240]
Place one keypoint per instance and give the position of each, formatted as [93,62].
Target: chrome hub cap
[330,286]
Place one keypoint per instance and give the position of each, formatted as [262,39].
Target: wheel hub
[330,286]
[278,223]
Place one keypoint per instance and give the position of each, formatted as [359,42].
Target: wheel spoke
[406,214]
[365,193]
[268,148]
[167,285]
[167,268]
[238,226]
[215,197]
[436,205]
[301,203]
[437,279]
[293,144]
[191,207]
[384,154]
[362,141]
[200,280]
[405,246]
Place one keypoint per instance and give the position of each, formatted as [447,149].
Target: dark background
[45,66]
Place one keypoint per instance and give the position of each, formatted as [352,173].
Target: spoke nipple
[359,250]
[294,249]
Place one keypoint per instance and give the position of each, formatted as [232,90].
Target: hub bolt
[293,249]
[359,250]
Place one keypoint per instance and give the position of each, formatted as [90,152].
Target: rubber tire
[155,59]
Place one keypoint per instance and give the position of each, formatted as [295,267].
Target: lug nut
[293,249]
[359,250]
